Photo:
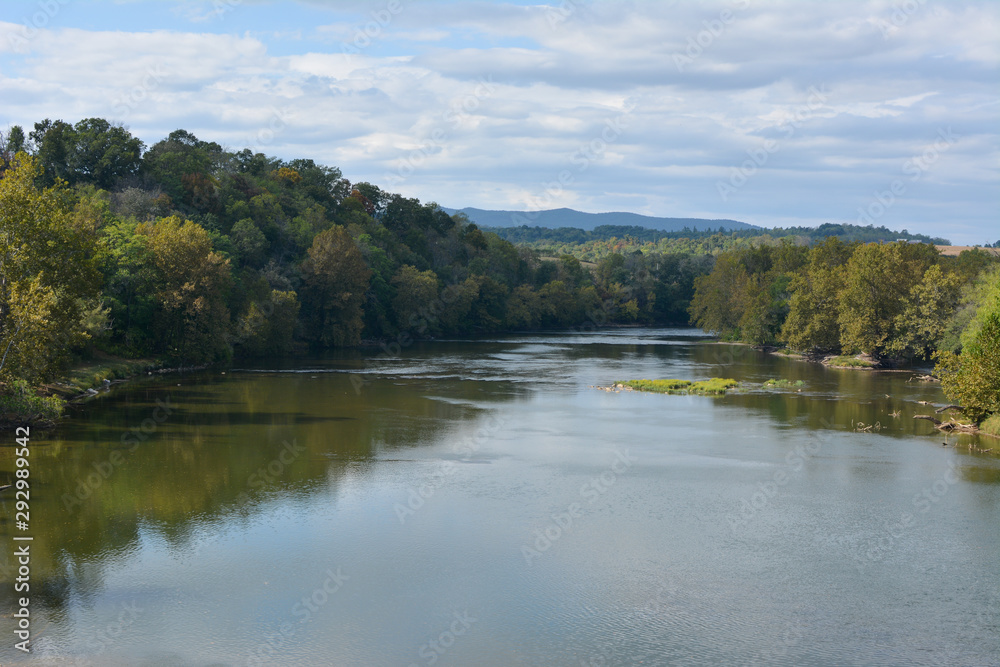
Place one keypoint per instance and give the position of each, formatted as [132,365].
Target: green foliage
[93,151]
[335,280]
[972,378]
[47,275]
[606,239]
[712,387]
[190,280]
[783,384]
[880,279]
[922,324]
[20,404]
[718,297]
[846,361]
[266,329]
[250,243]
[991,425]
[812,323]
[747,294]
[200,253]
[414,305]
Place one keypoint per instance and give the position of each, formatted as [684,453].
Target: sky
[773,113]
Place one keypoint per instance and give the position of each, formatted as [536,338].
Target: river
[480,502]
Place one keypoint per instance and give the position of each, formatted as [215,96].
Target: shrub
[19,404]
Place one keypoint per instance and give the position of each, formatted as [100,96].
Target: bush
[19,404]
[991,425]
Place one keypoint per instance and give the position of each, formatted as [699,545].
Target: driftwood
[950,425]
[949,407]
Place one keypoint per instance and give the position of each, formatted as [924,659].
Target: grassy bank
[991,426]
[22,404]
[91,374]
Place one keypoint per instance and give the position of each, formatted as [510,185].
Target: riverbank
[42,406]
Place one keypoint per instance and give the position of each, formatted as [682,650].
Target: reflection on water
[478,502]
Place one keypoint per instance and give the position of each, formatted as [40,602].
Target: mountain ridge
[567,217]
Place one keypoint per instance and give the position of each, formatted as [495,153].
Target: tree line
[607,239]
[890,301]
[191,253]
[574,236]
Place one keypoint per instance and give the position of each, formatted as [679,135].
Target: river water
[482,503]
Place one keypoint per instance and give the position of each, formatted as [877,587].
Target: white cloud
[494,100]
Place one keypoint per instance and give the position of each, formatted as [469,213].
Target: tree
[10,145]
[717,303]
[182,155]
[129,279]
[972,379]
[923,323]
[103,153]
[879,281]
[416,296]
[53,142]
[250,242]
[812,323]
[47,275]
[267,328]
[192,320]
[335,279]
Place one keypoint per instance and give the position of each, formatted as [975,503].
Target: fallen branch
[950,425]
[949,407]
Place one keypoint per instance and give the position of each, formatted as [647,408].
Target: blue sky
[774,113]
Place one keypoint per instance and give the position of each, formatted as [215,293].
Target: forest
[891,302]
[192,254]
[593,245]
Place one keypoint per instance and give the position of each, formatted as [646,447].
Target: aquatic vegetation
[849,362]
[783,384]
[712,387]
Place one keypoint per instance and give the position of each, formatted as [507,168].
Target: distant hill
[567,217]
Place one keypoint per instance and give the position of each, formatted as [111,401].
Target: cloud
[486,103]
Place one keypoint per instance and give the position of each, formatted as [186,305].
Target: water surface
[481,503]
